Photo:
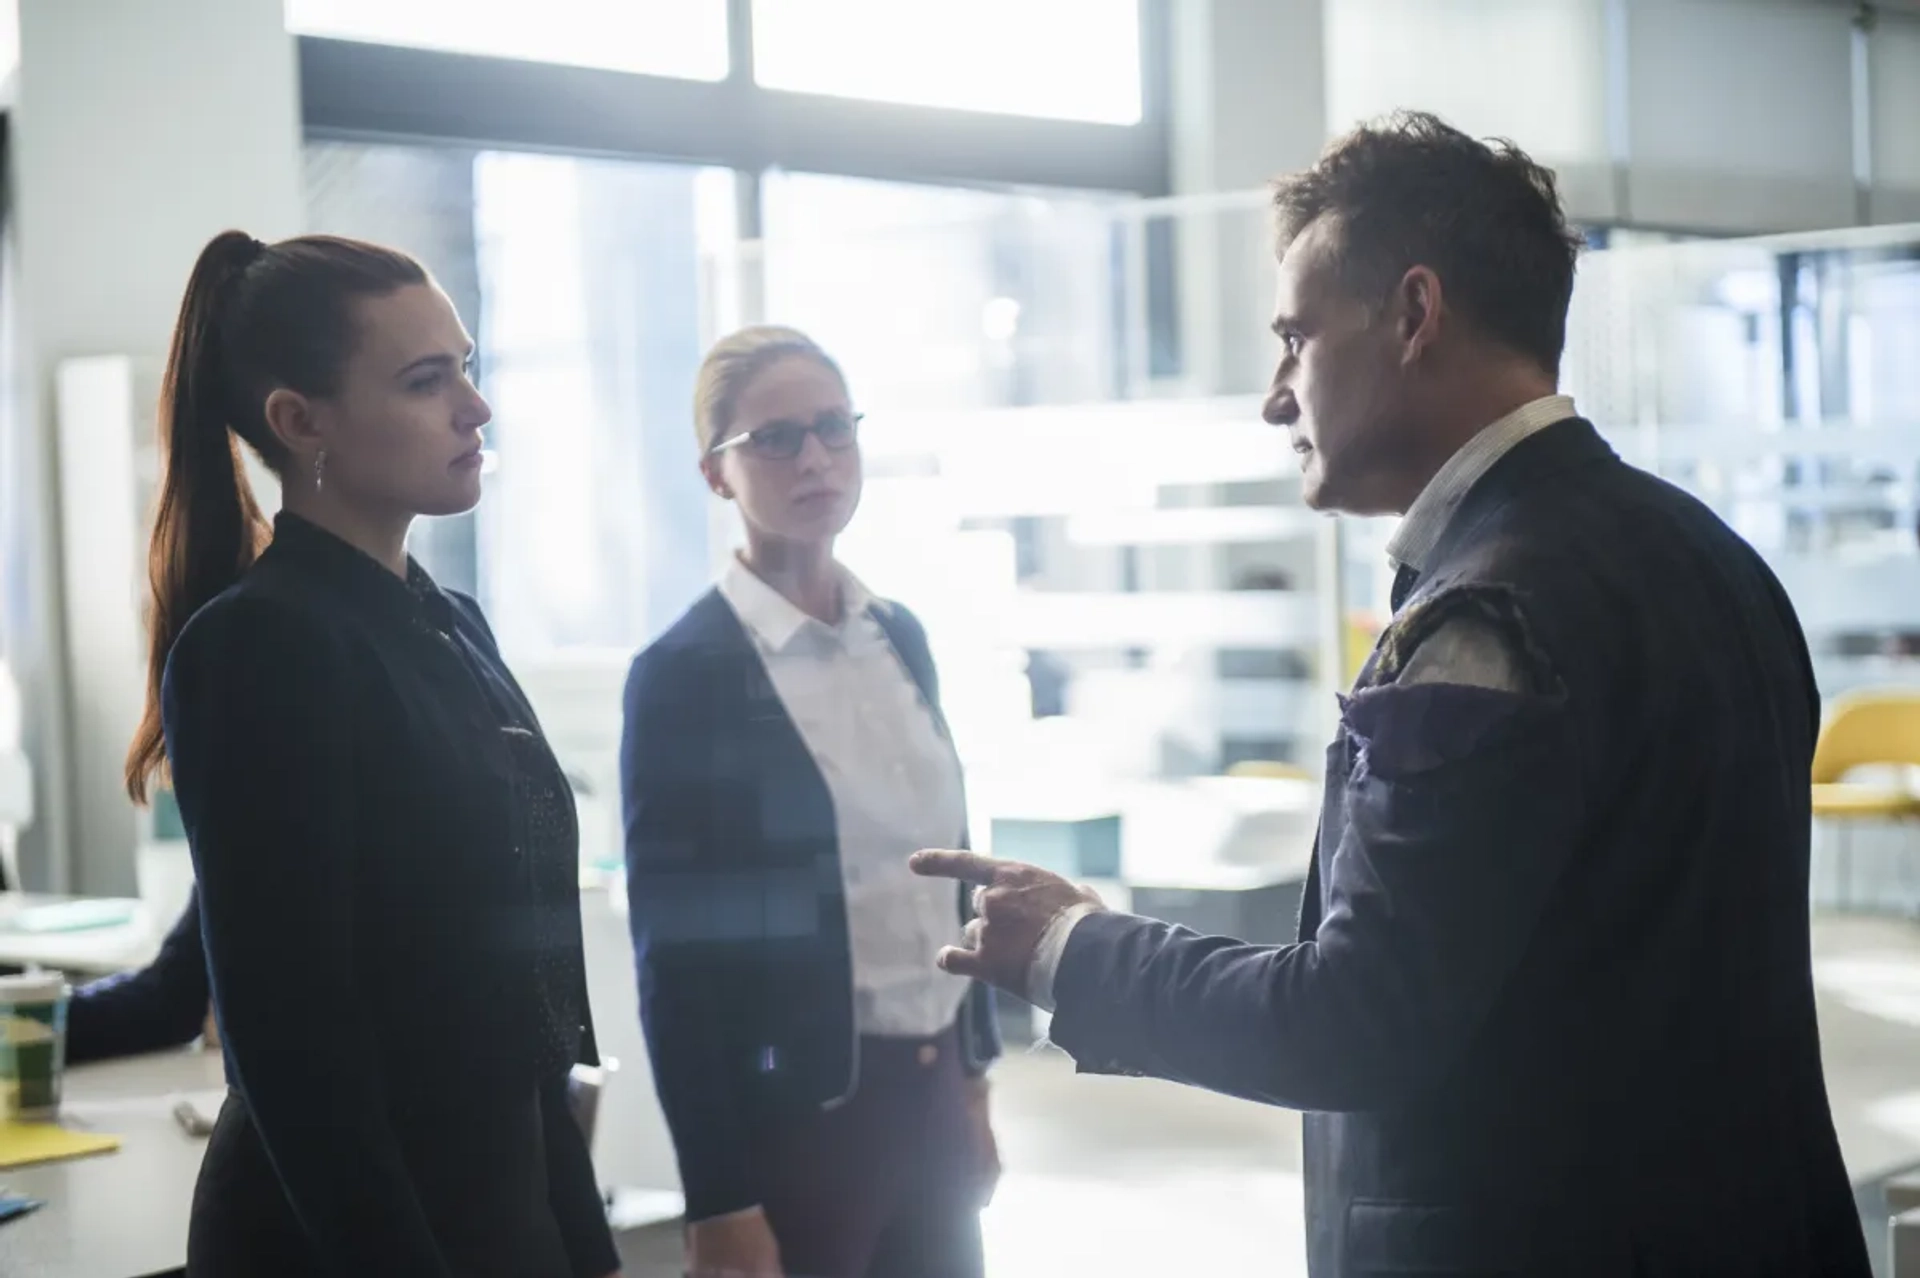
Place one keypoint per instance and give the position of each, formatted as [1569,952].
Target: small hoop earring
[320,470]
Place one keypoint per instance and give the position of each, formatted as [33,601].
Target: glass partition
[1069,481]
[1140,628]
[1775,379]
[1132,608]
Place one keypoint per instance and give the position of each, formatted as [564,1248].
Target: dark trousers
[886,1185]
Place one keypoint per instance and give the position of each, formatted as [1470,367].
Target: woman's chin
[818,523]
[455,498]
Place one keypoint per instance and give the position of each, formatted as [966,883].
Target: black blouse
[387,867]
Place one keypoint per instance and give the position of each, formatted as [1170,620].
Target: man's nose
[1281,408]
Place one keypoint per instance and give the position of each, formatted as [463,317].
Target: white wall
[1248,92]
[1534,71]
[1741,115]
[1894,86]
[1734,116]
[140,129]
[1248,102]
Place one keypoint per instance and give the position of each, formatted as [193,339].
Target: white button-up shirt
[896,787]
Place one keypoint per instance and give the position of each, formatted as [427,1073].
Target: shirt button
[927,1055]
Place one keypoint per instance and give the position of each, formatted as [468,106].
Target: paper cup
[33,1044]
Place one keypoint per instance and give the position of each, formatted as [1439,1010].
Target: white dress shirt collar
[776,621]
[1414,542]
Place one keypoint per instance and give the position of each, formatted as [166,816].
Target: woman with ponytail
[384,847]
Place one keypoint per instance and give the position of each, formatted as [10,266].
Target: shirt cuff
[1048,953]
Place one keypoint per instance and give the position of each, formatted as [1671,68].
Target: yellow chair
[1360,633]
[1866,729]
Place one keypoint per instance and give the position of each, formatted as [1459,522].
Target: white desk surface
[94,951]
[119,1215]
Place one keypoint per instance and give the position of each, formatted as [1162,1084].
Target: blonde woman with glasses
[784,753]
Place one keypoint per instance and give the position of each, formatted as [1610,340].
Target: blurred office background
[1035,235]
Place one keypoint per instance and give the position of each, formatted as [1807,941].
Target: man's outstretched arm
[1464,806]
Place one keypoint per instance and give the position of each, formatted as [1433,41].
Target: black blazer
[386,931]
[1552,997]
[738,911]
[162,1005]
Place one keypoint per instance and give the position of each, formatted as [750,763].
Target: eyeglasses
[782,441]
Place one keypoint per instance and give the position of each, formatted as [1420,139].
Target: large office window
[1056,59]
[1091,563]
[582,282]
[682,38]
[596,535]
[946,298]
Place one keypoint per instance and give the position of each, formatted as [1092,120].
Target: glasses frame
[746,437]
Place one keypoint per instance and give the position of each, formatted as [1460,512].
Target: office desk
[124,1215]
[120,1215]
[97,951]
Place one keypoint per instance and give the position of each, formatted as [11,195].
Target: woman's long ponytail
[256,318]
[207,526]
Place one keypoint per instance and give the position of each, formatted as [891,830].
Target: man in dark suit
[1551,1009]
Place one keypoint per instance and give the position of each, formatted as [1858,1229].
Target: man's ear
[1420,301]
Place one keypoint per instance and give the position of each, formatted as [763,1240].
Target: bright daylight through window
[987,55]
[686,39]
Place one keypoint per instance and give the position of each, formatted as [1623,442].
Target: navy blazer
[162,1005]
[738,911]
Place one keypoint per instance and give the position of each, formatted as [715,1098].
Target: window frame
[358,91]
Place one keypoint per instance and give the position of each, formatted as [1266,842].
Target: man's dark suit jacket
[738,909]
[1551,1007]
